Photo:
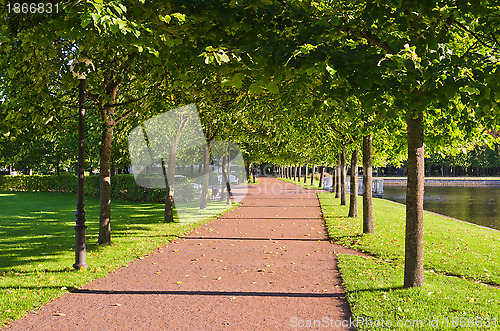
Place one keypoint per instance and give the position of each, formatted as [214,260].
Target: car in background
[232,179]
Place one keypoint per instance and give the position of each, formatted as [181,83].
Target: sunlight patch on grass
[37,244]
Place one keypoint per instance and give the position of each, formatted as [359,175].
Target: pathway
[267,264]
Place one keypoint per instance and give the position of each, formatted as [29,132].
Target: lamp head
[85,68]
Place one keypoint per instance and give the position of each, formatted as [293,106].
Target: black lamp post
[80,227]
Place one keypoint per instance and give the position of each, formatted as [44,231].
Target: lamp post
[80,227]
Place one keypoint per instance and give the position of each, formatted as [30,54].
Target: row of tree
[291,80]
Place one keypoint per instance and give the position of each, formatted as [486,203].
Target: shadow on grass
[381,289]
[37,227]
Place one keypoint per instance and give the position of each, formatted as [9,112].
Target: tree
[353,204]
[118,37]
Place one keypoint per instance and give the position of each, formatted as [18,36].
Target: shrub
[122,187]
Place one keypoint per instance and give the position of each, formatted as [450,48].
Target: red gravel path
[267,264]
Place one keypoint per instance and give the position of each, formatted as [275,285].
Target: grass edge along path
[304,185]
[37,244]
[374,285]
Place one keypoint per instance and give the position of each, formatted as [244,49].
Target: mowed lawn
[462,271]
[37,243]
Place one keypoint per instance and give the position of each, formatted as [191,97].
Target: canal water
[477,204]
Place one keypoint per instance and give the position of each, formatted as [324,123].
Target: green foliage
[62,183]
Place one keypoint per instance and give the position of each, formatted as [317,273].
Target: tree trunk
[299,170]
[170,184]
[58,170]
[414,241]
[226,176]
[105,183]
[337,181]
[321,176]
[248,171]
[343,179]
[312,174]
[353,201]
[368,226]
[306,173]
[107,114]
[206,174]
[168,216]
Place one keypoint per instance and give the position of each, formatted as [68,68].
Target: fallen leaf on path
[60,314]
[117,304]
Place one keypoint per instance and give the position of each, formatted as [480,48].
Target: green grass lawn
[37,243]
[451,247]
[374,285]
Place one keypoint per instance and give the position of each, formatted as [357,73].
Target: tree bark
[353,198]
[170,184]
[337,180]
[312,174]
[299,170]
[414,241]
[306,172]
[368,226]
[248,171]
[343,179]
[226,172]
[206,173]
[105,183]
[107,113]
[168,216]
[321,176]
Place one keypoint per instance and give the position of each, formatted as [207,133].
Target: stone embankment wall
[446,181]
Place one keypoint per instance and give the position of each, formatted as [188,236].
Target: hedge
[122,187]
